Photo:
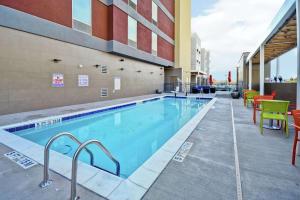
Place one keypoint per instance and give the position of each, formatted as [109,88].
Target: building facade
[197,73]
[56,53]
[205,65]
[181,72]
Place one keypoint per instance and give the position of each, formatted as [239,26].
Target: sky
[229,27]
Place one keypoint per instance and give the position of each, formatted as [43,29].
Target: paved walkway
[25,116]
[208,172]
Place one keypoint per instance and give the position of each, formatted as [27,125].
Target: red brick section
[101,20]
[144,8]
[165,24]
[144,36]
[120,25]
[57,11]
[126,1]
[165,49]
[170,5]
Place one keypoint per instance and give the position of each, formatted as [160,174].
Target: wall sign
[117,83]
[57,80]
[83,80]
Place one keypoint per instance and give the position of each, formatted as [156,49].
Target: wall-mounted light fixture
[122,60]
[139,71]
[56,60]
[161,74]
[161,68]
[80,66]
[151,72]
[96,65]
[121,69]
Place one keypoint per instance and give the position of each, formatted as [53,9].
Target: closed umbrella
[229,77]
[210,80]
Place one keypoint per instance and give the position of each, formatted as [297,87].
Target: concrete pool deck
[208,171]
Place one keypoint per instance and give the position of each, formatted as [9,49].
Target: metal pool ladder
[46,181]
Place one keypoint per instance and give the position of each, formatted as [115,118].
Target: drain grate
[20,159]
[183,152]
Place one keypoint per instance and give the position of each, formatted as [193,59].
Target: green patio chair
[250,97]
[274,110]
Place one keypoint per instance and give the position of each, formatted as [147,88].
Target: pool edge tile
[103,183]
[144,177]
[127,190]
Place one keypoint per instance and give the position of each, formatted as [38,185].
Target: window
[132,32]
[154,13]
[154,44]
[132,4]
[81,11]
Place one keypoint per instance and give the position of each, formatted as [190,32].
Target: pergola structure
[282,36]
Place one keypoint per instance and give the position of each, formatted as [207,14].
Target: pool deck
[208,171]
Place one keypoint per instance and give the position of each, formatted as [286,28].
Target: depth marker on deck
[236,159]
[183,151]
[20,159]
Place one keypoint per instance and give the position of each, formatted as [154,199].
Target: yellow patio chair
[275,110]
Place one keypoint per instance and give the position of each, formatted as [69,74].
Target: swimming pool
[132,133]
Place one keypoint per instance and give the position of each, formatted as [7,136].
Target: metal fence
[188,88]
[182,87]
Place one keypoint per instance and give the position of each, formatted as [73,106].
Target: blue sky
[226,29]
[200,6]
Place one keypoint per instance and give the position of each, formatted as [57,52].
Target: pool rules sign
[83,80]
[57,80]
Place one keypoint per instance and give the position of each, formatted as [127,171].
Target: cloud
[231,27]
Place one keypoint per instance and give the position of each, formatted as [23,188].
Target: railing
[75,164]
[46,181]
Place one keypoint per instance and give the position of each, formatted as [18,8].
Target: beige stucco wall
[26,69]
[256,75]
[183,37]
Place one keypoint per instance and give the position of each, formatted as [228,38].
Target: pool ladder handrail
[46,181]
[75,164]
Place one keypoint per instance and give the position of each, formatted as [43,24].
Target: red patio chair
[274,94]
[292,106]
[256,103]
[296,116]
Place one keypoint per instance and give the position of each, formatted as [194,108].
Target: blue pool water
[132,134]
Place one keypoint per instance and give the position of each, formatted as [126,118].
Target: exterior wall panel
[165,24]
[144,36]
[120,25]
[57,11]
[165,49]
[101,20]
[25,82]
[144,8]
[170,5]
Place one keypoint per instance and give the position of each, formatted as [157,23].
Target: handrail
[46,181]
[75,164]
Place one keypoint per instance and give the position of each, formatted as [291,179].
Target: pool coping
[115,188]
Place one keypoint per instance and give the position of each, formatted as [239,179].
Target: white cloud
[231,27]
